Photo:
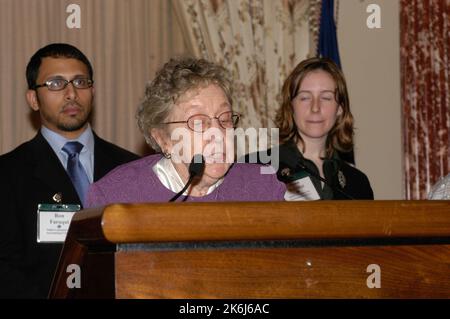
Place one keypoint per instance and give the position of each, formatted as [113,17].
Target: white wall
[371,63]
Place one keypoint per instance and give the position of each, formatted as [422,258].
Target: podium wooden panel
[259,250]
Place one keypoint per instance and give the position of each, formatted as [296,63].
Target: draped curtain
[126,41]
[425,75]
[259,41]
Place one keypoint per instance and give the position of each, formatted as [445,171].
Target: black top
[30,175]
[342,178]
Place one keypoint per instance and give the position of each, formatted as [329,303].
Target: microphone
[290,160]
[196,169]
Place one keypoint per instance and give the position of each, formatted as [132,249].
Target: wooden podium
[320,249]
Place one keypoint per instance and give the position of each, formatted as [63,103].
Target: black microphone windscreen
[197,165]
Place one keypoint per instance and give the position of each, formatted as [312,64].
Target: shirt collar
[170,178]
[58,141]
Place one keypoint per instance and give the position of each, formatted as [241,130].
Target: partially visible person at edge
[191,97]
[316,124]
[55,167]
[441,189]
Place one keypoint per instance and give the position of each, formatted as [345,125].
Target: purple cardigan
[135,182]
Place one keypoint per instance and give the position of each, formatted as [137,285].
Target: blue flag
[328,46]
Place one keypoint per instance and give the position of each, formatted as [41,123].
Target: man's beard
[71,127]
[75,124]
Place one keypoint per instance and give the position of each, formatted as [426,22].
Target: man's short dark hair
[54,50]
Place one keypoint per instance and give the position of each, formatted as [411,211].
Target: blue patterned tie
[75,170]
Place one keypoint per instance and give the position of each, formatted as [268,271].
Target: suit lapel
[49,170]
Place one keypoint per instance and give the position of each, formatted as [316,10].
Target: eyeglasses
[201,122]
[60,84]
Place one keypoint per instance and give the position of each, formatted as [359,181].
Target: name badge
[53,221]
[301,189]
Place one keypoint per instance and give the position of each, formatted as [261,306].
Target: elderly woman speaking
[187,110]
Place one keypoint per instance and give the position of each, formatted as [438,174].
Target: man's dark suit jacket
[30,175]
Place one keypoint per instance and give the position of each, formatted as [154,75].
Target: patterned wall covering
[425,64]
[259,41]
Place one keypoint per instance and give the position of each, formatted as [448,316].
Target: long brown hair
[340,137]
